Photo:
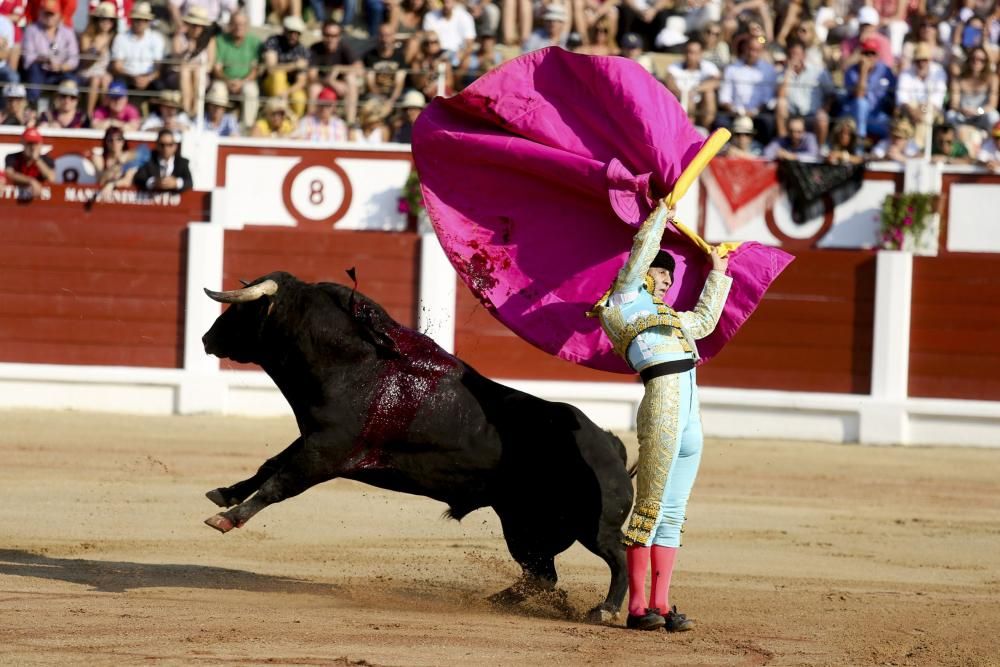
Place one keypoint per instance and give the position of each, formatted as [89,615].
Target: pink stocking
[663,567]
[637,558]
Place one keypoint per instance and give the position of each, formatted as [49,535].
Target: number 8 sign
[316,192]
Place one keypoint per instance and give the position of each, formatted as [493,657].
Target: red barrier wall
[954,325]
[100,286]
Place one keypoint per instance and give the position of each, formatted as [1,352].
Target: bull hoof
[220,523]
[219,498]
[601,616]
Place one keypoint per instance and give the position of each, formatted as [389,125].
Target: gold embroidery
[657,428]
[701,321]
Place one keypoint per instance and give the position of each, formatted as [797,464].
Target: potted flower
[411,201]
[905,218]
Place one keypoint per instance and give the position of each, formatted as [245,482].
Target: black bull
[382,404]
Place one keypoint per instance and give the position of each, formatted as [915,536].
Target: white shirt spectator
[689,79]
[6,31]
[452,32]
[989,152]
[214,8]
[881,149]
[748,87]
[808,89]
[911,89]
[138,55]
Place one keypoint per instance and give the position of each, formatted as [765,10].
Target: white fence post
[202,389]
[436,308]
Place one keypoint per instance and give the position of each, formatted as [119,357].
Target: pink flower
[907,221]
[403,206]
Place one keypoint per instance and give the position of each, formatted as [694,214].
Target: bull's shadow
[120,576]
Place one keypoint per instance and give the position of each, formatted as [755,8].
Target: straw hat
[170,98]
[413,99]
[105,10]
[197,16]
[142,11]
[275,104]
[218,95]
[374,109]
[294,24]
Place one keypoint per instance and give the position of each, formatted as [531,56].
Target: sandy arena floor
[797,554]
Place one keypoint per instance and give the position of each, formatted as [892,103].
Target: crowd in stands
[841,81]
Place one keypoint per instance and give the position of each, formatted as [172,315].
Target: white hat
[554,13]
[142,11]
[105,10]
[743,125]
[673,32]
[294,24]
[413,99]
[218,95]
[868,16]
[197,16]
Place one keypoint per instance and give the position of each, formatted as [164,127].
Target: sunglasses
[331,35]
[166,144]
[869,53]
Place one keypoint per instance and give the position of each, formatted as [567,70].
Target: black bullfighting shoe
[651,620]
[677,622]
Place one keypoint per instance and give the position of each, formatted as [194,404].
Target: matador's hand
[719,263]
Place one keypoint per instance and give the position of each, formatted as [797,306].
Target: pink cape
[528,176]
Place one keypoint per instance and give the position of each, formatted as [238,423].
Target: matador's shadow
[121,576]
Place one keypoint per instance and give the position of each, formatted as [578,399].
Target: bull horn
[252,293]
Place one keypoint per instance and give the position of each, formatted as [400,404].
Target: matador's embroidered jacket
[644,330]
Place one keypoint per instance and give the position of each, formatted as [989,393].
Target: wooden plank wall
[96,287]
[812,332]
[387,263]
[955,327]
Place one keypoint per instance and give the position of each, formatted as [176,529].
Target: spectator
[285,64]
[485,57]
[9,51]
[29,168]
[65,11]
[805,90]
[517,19]
[424,73]
[16,110]
[920,92]
[485,15]
[632,49]
[332,64]
[716,49]
[697,82]
[900,145]
[743,144]
[989,152]
[947,148]
[927,32]
[323,125]
[385,65]
[50,50]
[413,103]
[275,123]
[798,145]
[67,113]
[116,110]
[455,30]
[116,164]
[601,40]
[95,51]
[895,20]
[169,115]
[552,31]
[870,86]
[166,171]
[805,33]
[371,128]
[973,96]
[410,19]
[748,88]
[214,11]
[599,16]
[236,54]
[844,145]
[869,38]
[136,55]
[192,49]
[645,18]
[283,9]
[673,35]
[218,120]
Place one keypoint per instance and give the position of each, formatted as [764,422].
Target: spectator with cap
[868,38]
[67,112]
[633,50]
[116,110]
[805,90]
[454,28]
[214,11]
[870,93]
[552,32]
[218,120]
[50,52]
[16,110]
[9,52]
[192,50]
[743,143]
[29,168]
[95,51]
[385,65]
[169,114]
[799,144]
[697,82]
[333,64]
[989,152]
[136,55]
[411,106]
[286,61]
[323,125]
[166,171]
[920,92]
[748,89]
[275,123]
[899,146]
[236,64]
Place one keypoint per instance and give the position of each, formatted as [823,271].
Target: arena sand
[797,554]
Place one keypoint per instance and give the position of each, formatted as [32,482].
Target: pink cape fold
[527,177]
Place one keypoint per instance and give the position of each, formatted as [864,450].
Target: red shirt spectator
[30,168]
[868,20]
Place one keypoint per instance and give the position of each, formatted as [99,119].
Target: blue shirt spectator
[871,110]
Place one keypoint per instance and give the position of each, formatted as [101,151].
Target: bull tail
[633,469]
